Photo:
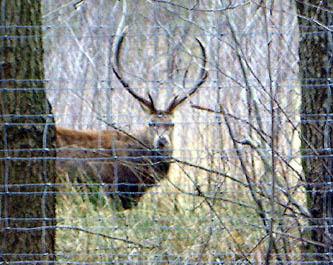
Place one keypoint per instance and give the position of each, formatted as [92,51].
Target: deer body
[126,166]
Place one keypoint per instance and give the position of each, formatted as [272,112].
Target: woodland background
[236,193]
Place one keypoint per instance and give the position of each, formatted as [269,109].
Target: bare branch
[200,9]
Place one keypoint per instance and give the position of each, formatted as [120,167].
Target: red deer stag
[126,166]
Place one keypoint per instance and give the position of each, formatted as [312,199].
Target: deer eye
[161,124]
[152,124]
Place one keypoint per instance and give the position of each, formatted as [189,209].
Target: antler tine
[203,74]
[151,101]
[117,69]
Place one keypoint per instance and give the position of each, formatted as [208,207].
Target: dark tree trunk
[315,64]
[26,135]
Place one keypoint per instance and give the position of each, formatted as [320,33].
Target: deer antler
[202,76]
[117,69]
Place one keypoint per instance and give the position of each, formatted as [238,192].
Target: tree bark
[27,137]
[315,66]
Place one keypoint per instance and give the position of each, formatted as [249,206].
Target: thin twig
[200,9]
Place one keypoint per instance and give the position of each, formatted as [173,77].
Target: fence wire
[235,192]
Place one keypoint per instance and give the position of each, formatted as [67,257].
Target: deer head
[160,126]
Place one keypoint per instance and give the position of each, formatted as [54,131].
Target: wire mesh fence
[227,187]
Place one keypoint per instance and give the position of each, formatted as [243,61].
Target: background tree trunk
[315,53]
[26,136]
